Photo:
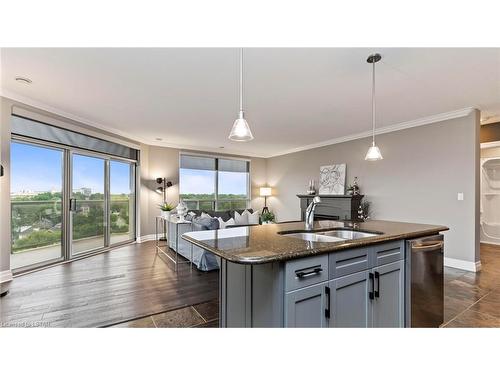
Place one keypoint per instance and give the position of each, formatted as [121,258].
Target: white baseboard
[5,279]
[145,238]
[462,264]
[490,243]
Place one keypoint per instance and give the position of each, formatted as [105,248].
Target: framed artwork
[332,179]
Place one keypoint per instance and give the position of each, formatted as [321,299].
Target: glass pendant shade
[240,131]
[373,153]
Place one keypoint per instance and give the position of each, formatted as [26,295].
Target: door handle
[372,282]
[72,204]
[377,292]
[327,310]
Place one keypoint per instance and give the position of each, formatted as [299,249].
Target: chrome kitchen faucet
[310,212]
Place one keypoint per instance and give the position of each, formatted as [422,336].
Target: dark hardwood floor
[131,287]
[471,300]
[120,285]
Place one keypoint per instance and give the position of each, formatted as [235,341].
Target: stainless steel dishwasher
[424,262]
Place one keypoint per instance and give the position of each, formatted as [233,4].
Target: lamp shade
[241,131]
[265,192]
[373,153]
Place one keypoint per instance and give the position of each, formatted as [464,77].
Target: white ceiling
[294,98]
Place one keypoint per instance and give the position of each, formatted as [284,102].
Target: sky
[40,169]
[203,182]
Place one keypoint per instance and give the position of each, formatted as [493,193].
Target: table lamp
[265,192]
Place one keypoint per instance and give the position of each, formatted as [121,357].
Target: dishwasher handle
[432,247]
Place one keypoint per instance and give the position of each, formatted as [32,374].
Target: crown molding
[44,107]
[387,129]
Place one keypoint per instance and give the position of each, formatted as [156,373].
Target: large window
[208,183]
[67,201]
[36,209]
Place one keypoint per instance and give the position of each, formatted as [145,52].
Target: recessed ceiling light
[159,139]
[24,80]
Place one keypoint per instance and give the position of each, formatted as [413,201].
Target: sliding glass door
[122,201]
[87,204]
[36,205]
[67,203]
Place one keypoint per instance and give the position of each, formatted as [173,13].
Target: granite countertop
[262,243]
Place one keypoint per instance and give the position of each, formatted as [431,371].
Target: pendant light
[373,153]
[240,131]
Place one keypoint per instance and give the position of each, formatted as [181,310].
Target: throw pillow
[223,224]
[190,216]
[204,215]
[252,218]
[206,223]
[240,219]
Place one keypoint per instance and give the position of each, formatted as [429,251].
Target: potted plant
[166,210]
[267,217]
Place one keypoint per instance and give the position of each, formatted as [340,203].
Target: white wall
[423,170]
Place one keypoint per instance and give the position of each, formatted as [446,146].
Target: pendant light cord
[241,79]
[373,102]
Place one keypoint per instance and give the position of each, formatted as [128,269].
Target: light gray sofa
[202,259]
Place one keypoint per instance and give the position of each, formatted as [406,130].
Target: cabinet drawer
[387,253]
[306,271]
[346,262]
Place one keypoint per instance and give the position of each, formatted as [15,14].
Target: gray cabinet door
[350,305]
[305,307]
[388,304]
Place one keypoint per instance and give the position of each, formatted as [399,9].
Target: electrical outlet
[460,196]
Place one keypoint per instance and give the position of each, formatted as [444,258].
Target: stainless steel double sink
[330,235]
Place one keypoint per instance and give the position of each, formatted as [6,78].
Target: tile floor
[472,300]
[204,315]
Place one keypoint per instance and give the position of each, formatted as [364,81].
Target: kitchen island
[339,274]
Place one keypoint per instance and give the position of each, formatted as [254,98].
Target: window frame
[216,200]
[68,151]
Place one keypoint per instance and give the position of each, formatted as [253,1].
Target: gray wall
[423,170]
[164,162]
